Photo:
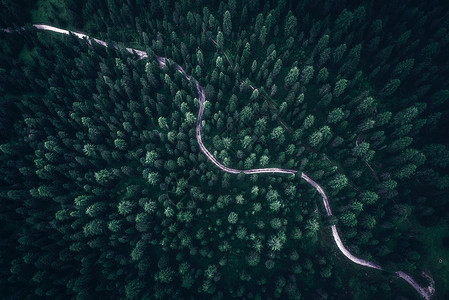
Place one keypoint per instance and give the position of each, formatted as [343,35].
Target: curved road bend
[426,293]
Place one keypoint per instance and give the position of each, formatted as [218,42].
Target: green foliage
[89,150]
[340,87]
[233,217]
[390,87]
[344,20]
[263,35]
[306,75]
[315,138]
[120,144]
[254,95]
[104,183]
[339,52]
[308,122]
[277,67]
[437,154]
[104,177]
[162,122]
[133,288]
[368,197]
[276,223]
[276,242]
[264,160]
[94,227]
[227,23]
[253,259]
[220,40]
[361,150]
[153,178]
[335,115]
[292,76]
[338,182]
[348,219]
[322,76]
[277,134]
[290,25]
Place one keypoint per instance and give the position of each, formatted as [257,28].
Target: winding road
[425,292]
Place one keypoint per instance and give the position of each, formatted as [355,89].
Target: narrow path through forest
[425,292]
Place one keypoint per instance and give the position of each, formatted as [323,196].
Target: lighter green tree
[312,227]
[276,242]
[315,138]
[162,122]
[254,95]
[89,150]
[233,217]
[338,182]
[322,75]
[220,40]
[227,23]
[277,134]
[263,35]
[151,157]
[307,74]
[290,25]
[292,76]
[153,178]
[264,160]
[340,87]
[335,115]
[308,122]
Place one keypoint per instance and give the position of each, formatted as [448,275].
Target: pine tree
[220,40]
[227,23]
[290,25]
[263,35]
[306,75]
[390,87]
[338,182]
[340,87]
[339,52]
[292,76]
[277,68]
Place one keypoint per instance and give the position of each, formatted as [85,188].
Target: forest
[106,191]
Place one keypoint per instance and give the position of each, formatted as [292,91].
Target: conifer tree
[340,87]
[220,40]
[292,76]
[227,23]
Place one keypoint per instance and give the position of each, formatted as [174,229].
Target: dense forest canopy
[105,192]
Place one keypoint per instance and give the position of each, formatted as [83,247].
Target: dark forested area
[105,193]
